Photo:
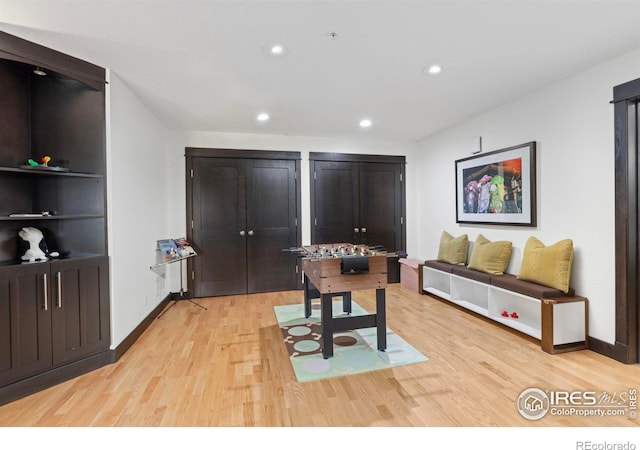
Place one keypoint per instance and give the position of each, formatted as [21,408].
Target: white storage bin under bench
[556,319]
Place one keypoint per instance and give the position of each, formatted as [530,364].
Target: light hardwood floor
[227,367]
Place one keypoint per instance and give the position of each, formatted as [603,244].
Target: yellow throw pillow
[547,265]
[453,250]
[490,257]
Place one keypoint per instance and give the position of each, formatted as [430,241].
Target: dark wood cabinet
[54,315]
[80,309]
[242,210]
[358,199]
[25,322]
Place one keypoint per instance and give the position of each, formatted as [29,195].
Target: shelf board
[65,257]
[438,292]
[44,173]
[471,306]
[520,326]
[58,217]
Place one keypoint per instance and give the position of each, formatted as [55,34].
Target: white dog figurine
[34,246]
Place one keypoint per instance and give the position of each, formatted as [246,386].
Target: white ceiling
[204,65]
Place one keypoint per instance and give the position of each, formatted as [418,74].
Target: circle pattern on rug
[316,365]
[303,339]
[306,346]
[345,340]
[299,331]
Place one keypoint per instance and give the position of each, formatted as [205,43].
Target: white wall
[138,188]
[572,122]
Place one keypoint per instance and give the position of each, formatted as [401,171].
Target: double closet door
[243,209]
[358,199]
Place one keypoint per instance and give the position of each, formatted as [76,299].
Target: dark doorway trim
[626,98]
[235,153]
[350,157]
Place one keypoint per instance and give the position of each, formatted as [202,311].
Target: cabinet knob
[356,230]
[250,233]
[242,233]
[364,230]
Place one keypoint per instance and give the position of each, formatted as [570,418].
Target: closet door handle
[250,233]
[46,295]
[59,279]
[242,233]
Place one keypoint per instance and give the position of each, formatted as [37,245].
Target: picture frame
[498,187]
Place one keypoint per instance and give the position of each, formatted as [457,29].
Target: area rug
[354,351]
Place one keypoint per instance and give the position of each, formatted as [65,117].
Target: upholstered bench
[557,319]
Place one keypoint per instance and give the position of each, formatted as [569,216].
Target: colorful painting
[497,187]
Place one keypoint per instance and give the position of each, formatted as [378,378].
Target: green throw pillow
[490,257]
[453,250]
[547,265]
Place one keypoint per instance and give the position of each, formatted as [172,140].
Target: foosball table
[335,270]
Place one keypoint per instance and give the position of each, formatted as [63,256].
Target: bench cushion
[439,265]
[472,274]
[511,283]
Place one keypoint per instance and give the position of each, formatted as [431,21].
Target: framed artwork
[498,187]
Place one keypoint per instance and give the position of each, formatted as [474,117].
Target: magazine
[175,248]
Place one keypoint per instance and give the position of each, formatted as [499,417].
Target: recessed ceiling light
[262,117]
[365,123]
[432,70]
[277,50]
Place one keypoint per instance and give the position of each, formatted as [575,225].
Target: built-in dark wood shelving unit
[54,315]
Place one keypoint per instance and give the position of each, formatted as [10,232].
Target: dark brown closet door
[245,213]
[219,233]
[358,199]
[335,191]
[271,225]
[381,205]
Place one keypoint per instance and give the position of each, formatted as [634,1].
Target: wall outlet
[159,284]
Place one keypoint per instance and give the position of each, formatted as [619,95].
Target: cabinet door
[80,309]
[271,227]
[336,193]
[381,197]
[219,227]
[25,321]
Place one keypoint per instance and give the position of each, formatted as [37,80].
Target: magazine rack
[182,294]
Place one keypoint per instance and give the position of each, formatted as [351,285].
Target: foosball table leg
[381,319]
[327,325]
[346,302]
